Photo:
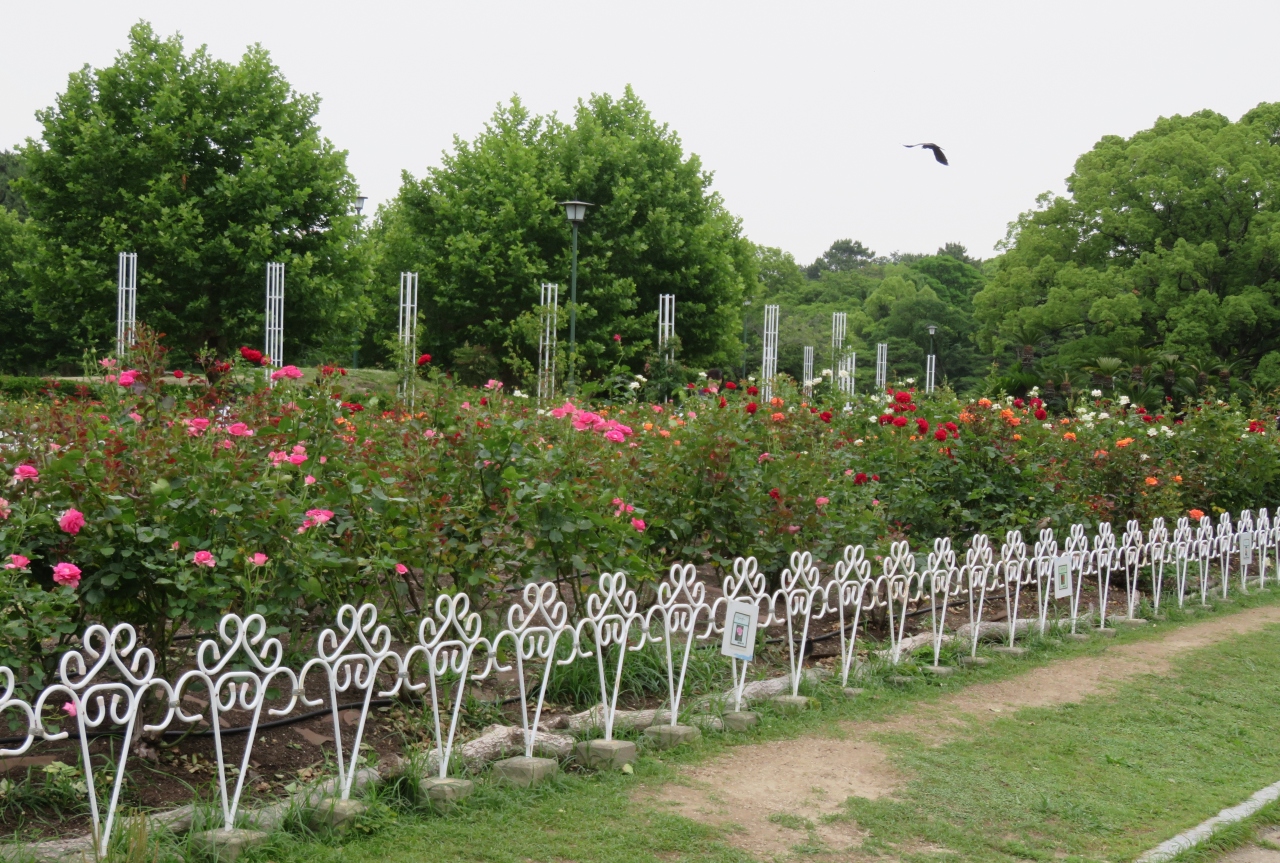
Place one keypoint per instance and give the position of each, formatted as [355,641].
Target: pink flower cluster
[293,373]
[196,426]
[315,518]
[204,558]
[296,457]
[18,562]
[239,430]
[622,507]
[127,378]
[613,431]
[67,574]
[24,473]
[4,509]
[71,521]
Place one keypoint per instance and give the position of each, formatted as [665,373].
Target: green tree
[484,230]
[11,169]
[1168,239]
[22,345]
[208,170]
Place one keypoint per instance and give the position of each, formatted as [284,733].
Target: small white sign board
[1062,576]
[739,630]
[1246,544]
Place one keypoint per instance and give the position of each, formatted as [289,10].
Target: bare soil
[768,792]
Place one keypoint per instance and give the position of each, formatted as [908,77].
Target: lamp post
[574,211]
[360,202]
[355,350]
[931,363]
[746,304]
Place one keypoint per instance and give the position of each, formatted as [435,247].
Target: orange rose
[1099,453]
[965,417]
[1151,481]
[984,403]
[1197,514]
[1123,442]
[776,402]
[1017,437]
[1177,479]
[648,426]
[1068,435]
[664,432]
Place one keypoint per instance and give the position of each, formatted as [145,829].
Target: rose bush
[290,500]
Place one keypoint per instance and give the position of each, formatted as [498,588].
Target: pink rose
[67,574]
[276,457]
[493,385]
[226,444]
[638,524]
[108,363]
[4,509]
[17,561]
[196,426]
[401,569]
[793,528]
[692,415]
[324,458]
[764,457]
[297,459]
[293,373]
[70,708]
[466,406]
[71,522]
[239,430]
[176,545]
[259,559]
[310,480]
[135,416]
[127,378]
[614,436]
[24,472]
[204,558]
[822,501]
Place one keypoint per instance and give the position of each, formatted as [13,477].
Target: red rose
[951,427]
[903,397]
[899,421]
[1148,418]
[722,401]
[424,359]
[251,356]
[825,416]
[922,425]
[179,374]
[751,391]
[885,419]
[1041,413]
[1017,403]
[940,434]
[860,479]
[730,385]
[875,477]
[752,407]
[1036,403]
[775,494]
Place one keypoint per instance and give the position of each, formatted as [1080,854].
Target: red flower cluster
[940,434]
[1257,426]
[252,356]
[751,391]
[825,416]
[326,371]
[730,385]
[922,425]
[354,407]
[775,494]
[424,359]
[752,407]
[899,421]
[1041,414]
[859,479]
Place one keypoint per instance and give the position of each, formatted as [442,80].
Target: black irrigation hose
[833,633]
[244,729]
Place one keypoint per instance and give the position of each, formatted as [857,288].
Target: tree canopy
[484,230]
[1165,250]
[208,170]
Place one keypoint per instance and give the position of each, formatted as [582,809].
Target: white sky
[800,109]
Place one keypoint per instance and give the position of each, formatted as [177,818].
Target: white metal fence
[107,681]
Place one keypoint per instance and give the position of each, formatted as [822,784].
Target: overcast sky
[799,109]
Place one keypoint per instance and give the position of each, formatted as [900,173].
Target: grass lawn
[1102,779]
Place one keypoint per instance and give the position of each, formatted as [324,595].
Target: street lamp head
[360,201]
[932,329]
[575,211]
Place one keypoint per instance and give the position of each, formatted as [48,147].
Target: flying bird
[937,151]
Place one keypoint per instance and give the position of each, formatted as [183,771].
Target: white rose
[1152,432]
[1097,394]
[1124,400]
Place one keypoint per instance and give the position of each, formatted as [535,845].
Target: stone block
[445,793]
[523,771]
[336,814]
[974,661]
[706,721]
[605,754]
[900,680]
[1010,651]
[225,846]
[938,670]
[852,691]
[668,736]
[791,703]
[1075,636]
[1106,633]
[740,720]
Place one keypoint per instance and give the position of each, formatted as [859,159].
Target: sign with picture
[740,620]
[1062,576]
[1246,543]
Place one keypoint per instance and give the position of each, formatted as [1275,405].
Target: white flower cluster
[1097,394]
[1124,400]
[518,394]
[826,373]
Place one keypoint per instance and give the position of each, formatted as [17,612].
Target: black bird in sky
[937,151]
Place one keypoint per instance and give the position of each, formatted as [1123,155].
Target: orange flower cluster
[776,402]
[966,417]
[1151,481]
[1068,435]
[1099,453]
[1197,514]
[1123,442]
[778,417]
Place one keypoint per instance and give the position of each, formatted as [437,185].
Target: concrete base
[900,680]
[669,736]
[791,703]
[1106,633]
[852,691]
[1010,651]
[605,754]
[1075,636]
[225,846]
[1134,621]
[938,670]
[740,720]
[525,772]
[974,661]
[336,814]
[445,793]
[706,722]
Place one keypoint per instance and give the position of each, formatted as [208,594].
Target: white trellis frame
[769,361]
[274,347]
[550,318]
[839,327]
[882,366]
[930,372]
[845,373]
[808,371]
[126,302]
[408,335]
[666,326]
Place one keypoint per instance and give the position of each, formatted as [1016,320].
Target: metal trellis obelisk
[274,348]
[808,371]
[126,302]
[839,325]
[769,362]
[666,325]
[882,366]
[845,373]
[408,336]
[547,341]
[930,370]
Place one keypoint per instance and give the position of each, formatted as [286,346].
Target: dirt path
[767,792]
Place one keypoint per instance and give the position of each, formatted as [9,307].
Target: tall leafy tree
[208,170]
[10,171]
[484,230]
[1167,240]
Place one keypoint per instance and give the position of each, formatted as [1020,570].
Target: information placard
[1062,576]
[739,630]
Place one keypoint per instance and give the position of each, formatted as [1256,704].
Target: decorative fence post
[899,579]
[126,302]
[849,581]
[1157,555]
[808,371]
[976,572]
[681,601]
[769,362]
[611,615]
[800,585]
[666,326]
[747,584]
[408,336]
[1013,571]
[1104,555]
[274,348]
[882,366]
[534,628]
[549,319]
[942,575]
